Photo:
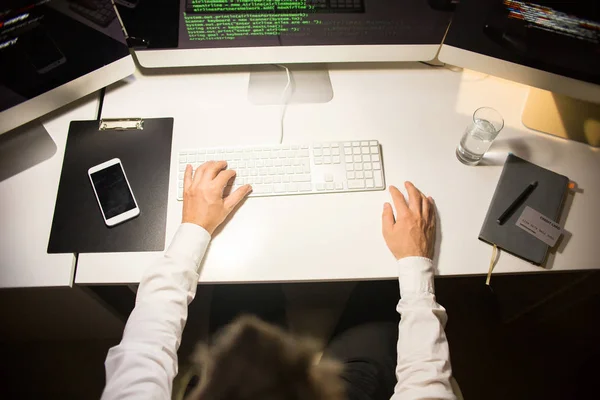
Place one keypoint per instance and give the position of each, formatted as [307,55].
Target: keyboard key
[376,165]
[357,159]
[355,150]
[180,184]
[268,179]
[180,176]
[289,170]
[347,144]
[320,186]
[180,193]
[356,144]
[327,152]
[368,174]
[335,151]
[370,183]
[253,172]
[378,178]
[350,175]
[301,178]
[339,186]
[360,175]
[356,184]
[365,150]
[298,170]
[317,152]
[336,159]
[373,142]
[327,160]
[368,166]
[182,167]
[258,179]
[375,157]
[279,188]
[347,151]
[364,143]
[291,187]
[305,187]
[366,158]
[328,177]
[277,163]
[318,161]
[296,162]
[349,167]
[303,153]
[358,167]
[348,159]
[329,186]
[374,149]
[277,179]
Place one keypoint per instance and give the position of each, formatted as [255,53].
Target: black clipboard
[144,147]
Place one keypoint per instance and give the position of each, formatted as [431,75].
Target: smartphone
[113,192]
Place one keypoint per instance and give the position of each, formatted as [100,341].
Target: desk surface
[26,210]
[418,114]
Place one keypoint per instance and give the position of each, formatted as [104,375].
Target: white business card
[539,226]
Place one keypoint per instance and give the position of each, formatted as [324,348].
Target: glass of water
[487,124]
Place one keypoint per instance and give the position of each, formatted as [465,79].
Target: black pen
[515,204]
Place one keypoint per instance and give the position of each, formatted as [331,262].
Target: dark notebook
[78,226]
[547,198]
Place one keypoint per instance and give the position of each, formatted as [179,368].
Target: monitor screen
[209,24]
[561,37]
[47,43]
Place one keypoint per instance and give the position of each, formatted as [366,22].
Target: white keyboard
[296,169]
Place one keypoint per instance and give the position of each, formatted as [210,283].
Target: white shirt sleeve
[144,364]
[423,370]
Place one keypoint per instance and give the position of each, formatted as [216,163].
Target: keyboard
[278,170]
[100,12]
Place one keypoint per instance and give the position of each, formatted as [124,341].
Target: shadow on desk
[23,148]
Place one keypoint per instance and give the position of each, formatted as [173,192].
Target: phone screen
[113,191]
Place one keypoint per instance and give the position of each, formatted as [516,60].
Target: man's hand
[412,233]
[203,202]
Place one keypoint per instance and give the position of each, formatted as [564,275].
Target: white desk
[27,207]
[416,112]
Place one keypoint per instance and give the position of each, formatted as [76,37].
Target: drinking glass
[479,135]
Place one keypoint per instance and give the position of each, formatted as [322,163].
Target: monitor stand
[310,83]
[24,147]
[562,116]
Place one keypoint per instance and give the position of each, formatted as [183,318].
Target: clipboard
[144,147]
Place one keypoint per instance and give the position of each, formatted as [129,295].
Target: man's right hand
[412,232]
[203,202]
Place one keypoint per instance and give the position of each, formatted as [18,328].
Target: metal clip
[126,124]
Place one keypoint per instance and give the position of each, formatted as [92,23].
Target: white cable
[284,99]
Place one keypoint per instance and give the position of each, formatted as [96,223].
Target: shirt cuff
[190,242]
[415,275]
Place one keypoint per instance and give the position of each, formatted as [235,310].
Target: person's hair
[252,360]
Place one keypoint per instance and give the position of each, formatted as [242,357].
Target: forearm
[145,362]
[423,370]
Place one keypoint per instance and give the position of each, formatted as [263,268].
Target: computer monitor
[53,52]
[173,33]
[551,45]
